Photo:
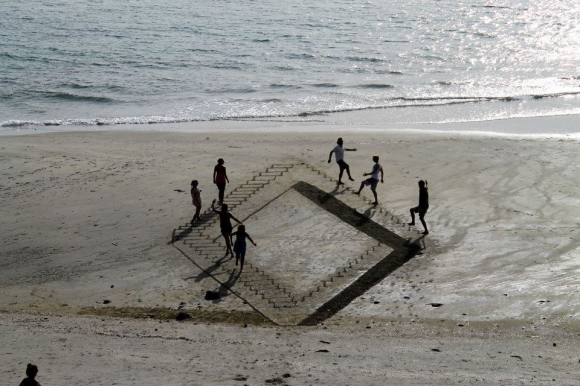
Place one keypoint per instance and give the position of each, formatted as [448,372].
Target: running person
[226,225]
[219,178]
[374,179]
[195,200]
[240,245]
[423,206]
[339,156]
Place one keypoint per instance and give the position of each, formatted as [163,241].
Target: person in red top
[219,178]
[31,371]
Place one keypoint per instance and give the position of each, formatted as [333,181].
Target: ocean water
[126,63]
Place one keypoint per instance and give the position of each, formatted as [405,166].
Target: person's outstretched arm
[214,173]
[330,156]
[249,238]
[226,175]
[235,219]
[353,149]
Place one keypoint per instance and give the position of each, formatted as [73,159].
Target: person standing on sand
[240,245]
[373,180]
[195,200]
[423,206]
[339,156]
[220,177]
[226,225]
[31,371]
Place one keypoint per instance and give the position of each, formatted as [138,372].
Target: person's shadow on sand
[418,244]
[370,212]
[224,289]
[334,192]
[208,272]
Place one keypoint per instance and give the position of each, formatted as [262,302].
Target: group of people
[373,181]
[220,178]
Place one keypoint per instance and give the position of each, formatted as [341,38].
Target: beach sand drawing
[319,247]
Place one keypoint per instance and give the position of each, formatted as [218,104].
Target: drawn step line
[267,288]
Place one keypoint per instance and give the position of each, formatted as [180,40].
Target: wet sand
[86,225]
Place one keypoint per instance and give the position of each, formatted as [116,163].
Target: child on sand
[339,156]
[423,206]
[195,200]
[374,179]
[31,371]
[240,245]
[220,177]
[226,225]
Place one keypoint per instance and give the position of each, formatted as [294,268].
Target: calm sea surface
[105,62]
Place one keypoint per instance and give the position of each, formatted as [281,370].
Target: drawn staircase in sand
[259,288]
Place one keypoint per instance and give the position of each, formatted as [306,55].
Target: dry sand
[88,217]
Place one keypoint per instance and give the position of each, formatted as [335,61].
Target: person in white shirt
[374,179]
[339,156]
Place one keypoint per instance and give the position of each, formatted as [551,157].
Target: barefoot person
[374,179]
[31,371]
[423,206]
[226,225]
[240,245]
[220,177]
[195,200]
[339,156]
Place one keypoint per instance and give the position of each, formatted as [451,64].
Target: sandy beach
[92,276]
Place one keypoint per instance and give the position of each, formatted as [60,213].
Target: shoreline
[519,128]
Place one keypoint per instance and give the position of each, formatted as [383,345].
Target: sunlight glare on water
[107,62]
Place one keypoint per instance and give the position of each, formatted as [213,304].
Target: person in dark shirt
[423,206]
[226,225]
[31,371]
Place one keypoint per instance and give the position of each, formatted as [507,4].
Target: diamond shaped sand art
[319,245]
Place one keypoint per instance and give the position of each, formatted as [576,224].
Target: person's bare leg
[375,194]
[348,172]
[242,259]
[422,218]
[196,215]
[237,258]
[228,245]
[340,176]
[362,185]
[221,197]
[412,218]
